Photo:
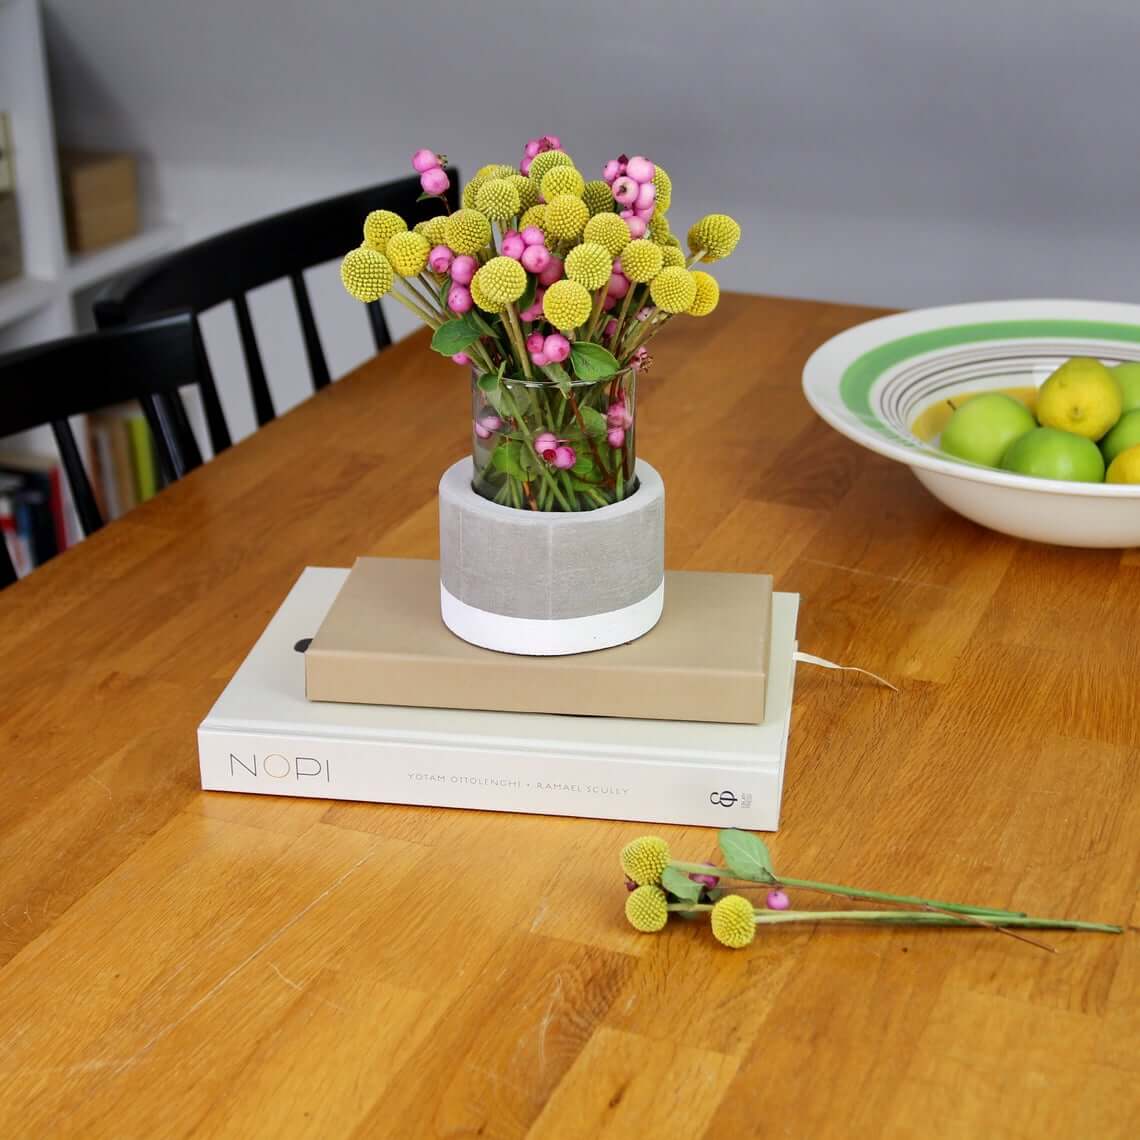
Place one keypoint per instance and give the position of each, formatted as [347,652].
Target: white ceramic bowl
[871,382]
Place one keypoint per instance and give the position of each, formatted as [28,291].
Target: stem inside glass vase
[540,446]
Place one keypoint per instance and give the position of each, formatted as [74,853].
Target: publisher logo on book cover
[278,766]
[729,799]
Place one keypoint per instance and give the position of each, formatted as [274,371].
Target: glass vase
[542,446]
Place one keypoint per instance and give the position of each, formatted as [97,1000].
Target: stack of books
[357,691]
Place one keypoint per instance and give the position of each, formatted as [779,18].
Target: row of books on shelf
[37,512]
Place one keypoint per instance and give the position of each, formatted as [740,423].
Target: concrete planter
[546,584]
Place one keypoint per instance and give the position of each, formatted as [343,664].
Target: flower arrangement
[661,887]
[551,288]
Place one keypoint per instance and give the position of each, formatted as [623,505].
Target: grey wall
[900,153]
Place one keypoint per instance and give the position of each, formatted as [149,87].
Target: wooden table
[188,964]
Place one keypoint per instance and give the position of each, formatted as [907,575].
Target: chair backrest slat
[81,493]
[318,367]
[380,333]
[258,385]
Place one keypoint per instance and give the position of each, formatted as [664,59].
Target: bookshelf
[46,301]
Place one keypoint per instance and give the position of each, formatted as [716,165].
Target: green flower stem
[519,340]
[595,312]
[420,286]
[921,918]
[414,306]
[619,332]
[851,892]
[528,435]
[695,258]
[606,474]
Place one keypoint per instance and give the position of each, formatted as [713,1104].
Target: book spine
[447,776]
[123,465]
[142,457]
[57,509]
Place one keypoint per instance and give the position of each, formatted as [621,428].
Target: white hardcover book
[263,736]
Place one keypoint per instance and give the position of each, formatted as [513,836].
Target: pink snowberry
[706,880]
[513,245]
[539,358]
[532,148]
[459,299]
[534,342]
[461,358]
[440,258]
[463,269]
[612,171]
[639,358]
[618,286]
[545,443]
[615,437]
[552,272]
[640,169]
[625,190]
[487,425]
[609,303]
[617,415]
[610,329]
[524,166]
[481,431]
[532,235]
[535,258]
[564,457]
[644,314]
[645,214]
[778,900]
[550,142]
[637,227]
[424,160]
[435,181]
[556,347]
[646,196]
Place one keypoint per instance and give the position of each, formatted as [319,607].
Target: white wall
[899,153]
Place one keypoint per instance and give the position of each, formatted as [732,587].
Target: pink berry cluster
[552,349]
[558,453]
[631,181]
[535,147]
[487,423]
[619,420]
[429,166]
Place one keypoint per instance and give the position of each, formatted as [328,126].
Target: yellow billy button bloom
[734,921]
[482,300]
[708,294]
[379,228]
[608,230]
[543,163]
[366,274]
[433,229]
[566,305]
[672,255]
[647,909]
[528,192]
[715,236]
[641,261]
[644,859]
[467,231]
[673,290]
[498,199]
[566,217]
[535,216]
[562,180]
[408,252]
[599,198]
[501,281]
[590,264]
[663,184]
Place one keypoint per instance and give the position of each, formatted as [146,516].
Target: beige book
[383,643]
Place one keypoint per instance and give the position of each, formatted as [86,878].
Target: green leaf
[746,855]
[527,298]
[591,361]
[454,336]
[507,459]
[488,382]
[529,460]
[559,375]
[425,197]
[678,883]
[595,422]
[480,322]
[444,289]
[584,466]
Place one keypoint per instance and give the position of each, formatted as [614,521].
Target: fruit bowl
[873,382]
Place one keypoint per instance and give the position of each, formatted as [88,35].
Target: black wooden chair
[227,266]
[47,383]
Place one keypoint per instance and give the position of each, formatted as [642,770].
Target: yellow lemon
[1082,397]
[1125,468]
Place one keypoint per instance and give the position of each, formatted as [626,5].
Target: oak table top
[176,963]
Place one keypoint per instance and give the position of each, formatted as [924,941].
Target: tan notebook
[383,643]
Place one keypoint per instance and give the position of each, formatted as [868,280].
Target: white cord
[808,659]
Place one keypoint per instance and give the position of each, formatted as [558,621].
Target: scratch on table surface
[876,574]
[539,916]
[547,1018]
[220,984]
[97,781]
[287,981]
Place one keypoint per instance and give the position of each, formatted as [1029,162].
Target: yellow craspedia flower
[672,255]
[535,216]
[496,170]
[663,184]
[498,199]
[658,227]
[590,264]
[566,217]
[502,280]
[562,180]
[566,305]
[733,921]
[366,273]
[673,290]
[408,252]
[467,231]
[641,260]
[608,230]
[471,191]
[598,197]
[647,909]
[708,294]
[543,163]
[715,235]
[528,192]
[379,228]
[482,300]
[643,859]
[433,229]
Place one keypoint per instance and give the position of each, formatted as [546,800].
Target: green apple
[1128,377]
[984,426]
[1050,453]
[1126,434]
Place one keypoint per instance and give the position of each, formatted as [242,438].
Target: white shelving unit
[43,303]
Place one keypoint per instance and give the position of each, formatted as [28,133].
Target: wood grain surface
[180,964]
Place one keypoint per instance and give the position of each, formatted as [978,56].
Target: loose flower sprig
[547,279]
[660,886]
